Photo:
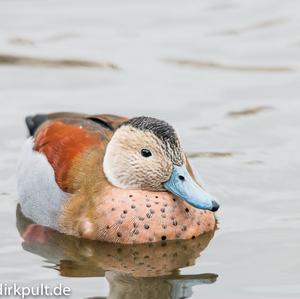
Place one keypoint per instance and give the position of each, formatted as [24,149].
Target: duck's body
[66,183]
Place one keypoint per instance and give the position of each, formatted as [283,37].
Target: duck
[111,178]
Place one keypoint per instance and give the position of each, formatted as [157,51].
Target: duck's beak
[183,185]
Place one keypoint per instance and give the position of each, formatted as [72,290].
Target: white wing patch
[40,197]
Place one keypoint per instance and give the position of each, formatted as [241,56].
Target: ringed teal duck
[110,178]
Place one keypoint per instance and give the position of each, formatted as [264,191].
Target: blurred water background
[225,73]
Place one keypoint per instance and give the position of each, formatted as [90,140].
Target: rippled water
[225,74]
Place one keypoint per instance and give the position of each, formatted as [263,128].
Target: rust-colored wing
[65,140]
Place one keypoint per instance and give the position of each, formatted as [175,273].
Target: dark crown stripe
[162,130]
[159,128]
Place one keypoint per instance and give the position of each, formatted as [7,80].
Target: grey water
[226,74]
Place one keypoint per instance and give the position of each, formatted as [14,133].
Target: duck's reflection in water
[133,271]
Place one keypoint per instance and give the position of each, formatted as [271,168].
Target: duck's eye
[146,153]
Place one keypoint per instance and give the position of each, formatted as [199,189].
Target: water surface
[224,73]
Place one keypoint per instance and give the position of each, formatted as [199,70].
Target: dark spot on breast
[183,228]
[141,218]
[130,195]
[148,205]
[163,238]
[174,199]
[165,204]
[135,224]
[177,235]
[156,196]
[107,226]
[120,221]
[125,211]
[198,222]
[149,215]
[152,211]
[136,231]
[113,209]
[146,226]
[157,202]
[150,239]
[164,226]
[174,222]
[187,210]
[193,237]
[123,216]
[119,234]
[162,210]
[133,206]
[146,256]
[163,215]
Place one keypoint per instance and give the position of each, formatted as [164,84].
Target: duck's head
[145,153]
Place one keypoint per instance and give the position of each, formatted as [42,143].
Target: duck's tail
[33,122]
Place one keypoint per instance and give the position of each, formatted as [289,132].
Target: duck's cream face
[137,159]
[145,154]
